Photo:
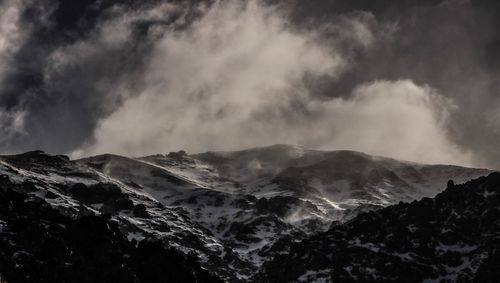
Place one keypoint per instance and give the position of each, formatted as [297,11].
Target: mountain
[39,244]
[454,237]
[229,212]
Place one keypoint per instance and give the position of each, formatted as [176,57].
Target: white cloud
[233,80]
[213,85]
[390,118]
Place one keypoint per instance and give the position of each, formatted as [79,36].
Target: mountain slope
[39,244]
[338,182]
[454,237]
[237,221]
[76,190]
[232,211]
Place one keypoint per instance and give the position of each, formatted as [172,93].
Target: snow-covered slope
[234,211]
[338,182]
[236,221]
[76,189]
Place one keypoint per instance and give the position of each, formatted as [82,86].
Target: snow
[370,246]
[412,228]
[135,236]
[3,224]
[456,248]
[488,193]
[405,256]
[332,204]
[317,276]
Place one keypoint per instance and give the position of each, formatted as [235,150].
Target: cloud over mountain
[411,80]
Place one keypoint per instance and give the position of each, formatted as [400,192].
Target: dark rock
[123,204]
[177,155]
[4,180]
[50,195]
[97,193]
[108,209]
[450,184]
[140,211]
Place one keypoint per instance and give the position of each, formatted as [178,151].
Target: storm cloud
[416,80]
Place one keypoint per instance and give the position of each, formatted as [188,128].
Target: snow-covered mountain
[336,182]
[232,211]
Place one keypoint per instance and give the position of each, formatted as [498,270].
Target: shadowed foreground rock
[454,237]
[38,244]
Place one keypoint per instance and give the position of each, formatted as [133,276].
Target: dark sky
[416,80]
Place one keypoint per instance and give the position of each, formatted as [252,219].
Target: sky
[413,80]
